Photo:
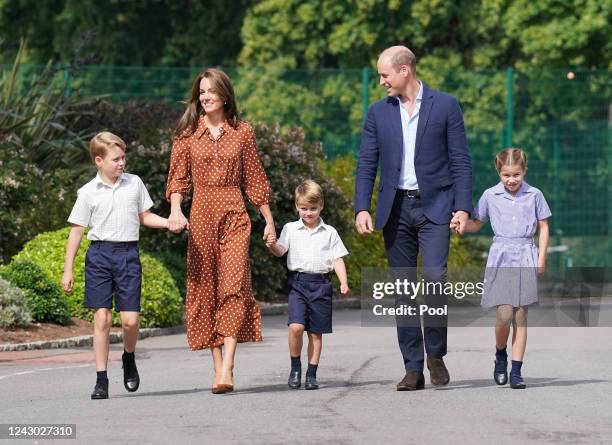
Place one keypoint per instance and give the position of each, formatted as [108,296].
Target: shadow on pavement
[324,384]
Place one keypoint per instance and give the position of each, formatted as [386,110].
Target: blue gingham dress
[511,273]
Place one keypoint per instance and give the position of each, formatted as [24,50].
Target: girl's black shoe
[100,391]
[517,382]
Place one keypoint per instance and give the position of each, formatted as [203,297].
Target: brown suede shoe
[412,381]
[438,373]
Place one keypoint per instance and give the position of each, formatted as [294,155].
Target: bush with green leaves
[39,156]
[13,310]
[44,298]
[161,303]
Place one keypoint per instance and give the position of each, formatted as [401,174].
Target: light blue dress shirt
[408,179]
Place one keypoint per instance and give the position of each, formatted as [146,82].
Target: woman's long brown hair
[221,85]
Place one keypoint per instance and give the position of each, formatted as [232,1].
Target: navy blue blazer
[441,159]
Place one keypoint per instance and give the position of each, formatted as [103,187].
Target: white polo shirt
[311,250]
[111,211]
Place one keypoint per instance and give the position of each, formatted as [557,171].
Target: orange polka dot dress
[220,301]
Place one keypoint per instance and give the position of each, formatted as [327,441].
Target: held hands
[269,235]
[177,222]
[459,222]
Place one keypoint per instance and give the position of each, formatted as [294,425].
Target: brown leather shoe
[438,373]
[412,381]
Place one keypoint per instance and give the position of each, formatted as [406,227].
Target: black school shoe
[131,379]
[295,379]
[500,373]
[517,382]
[311,382]
[100,390]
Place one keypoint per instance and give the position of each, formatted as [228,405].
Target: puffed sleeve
[542,209]
[254,179]
[481,213]
[179,175]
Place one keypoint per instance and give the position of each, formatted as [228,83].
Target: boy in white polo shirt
[313,249]
[113,205]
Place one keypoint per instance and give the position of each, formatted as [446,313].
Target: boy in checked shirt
[313,249]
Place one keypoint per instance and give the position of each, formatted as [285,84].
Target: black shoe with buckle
[100,390]
[131,379]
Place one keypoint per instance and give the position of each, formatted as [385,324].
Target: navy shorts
[113,268]
[310,302]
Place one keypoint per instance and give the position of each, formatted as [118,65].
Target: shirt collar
[203,128]
[99,182]
[321,225]
[419,97]
[499,189]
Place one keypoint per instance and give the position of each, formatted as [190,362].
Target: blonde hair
[101,142]
[511,157]
[310,192]
[222,85]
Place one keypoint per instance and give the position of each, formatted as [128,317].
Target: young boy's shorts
[113,268]
[310,302]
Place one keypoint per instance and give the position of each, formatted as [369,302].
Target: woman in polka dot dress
[215,151]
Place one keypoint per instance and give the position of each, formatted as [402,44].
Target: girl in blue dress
[516,211]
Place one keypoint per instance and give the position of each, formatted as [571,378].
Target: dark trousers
[408,232]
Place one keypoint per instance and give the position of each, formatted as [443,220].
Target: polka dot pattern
[220,301]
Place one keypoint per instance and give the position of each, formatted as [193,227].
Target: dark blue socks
[516,369]
[296,364]
[102,377]
[501,360]
[312,370]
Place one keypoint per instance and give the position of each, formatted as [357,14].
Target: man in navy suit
[417,136]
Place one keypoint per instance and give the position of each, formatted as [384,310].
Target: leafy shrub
[161,303]
[39,156]
[13,311]
[43,297]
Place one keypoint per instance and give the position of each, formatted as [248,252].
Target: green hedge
[161,303]
[43,297]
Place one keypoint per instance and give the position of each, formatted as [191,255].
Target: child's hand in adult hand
[269,235]
[344,290]
[68,281]
[177,222]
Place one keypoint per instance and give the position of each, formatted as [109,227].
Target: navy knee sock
[501,355]
[516,368]
[296,364]
[312,370]
[101,377]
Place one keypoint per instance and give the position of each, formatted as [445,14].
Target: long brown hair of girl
[222,85]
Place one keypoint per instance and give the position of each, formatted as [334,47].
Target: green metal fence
[562,118]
